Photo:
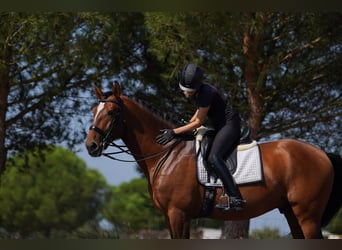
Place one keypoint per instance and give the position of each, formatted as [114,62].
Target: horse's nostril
[93,146]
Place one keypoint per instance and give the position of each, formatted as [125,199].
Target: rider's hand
[165,136]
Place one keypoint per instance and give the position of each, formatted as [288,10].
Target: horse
[300,179]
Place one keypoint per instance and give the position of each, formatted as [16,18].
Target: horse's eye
[110,113]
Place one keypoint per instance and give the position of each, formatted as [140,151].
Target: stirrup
[223,202]
[231,206]
[227,203]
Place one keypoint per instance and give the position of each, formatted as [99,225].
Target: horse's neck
[141,127]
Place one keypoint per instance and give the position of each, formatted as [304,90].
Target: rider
[224,120]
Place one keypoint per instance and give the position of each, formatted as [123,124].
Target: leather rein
[107,142]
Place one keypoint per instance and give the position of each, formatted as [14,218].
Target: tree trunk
[235,230]
[254,79]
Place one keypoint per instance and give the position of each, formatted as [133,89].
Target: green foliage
[50,190]
[130,208]
[206,222]
[335,225]
[92,230]
[178,38]
[294,66]
[50,62]
[265,233]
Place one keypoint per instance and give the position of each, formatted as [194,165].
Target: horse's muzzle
[94,149]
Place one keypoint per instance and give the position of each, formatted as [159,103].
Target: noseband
[106,135]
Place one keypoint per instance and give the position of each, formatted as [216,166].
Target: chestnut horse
[298,177]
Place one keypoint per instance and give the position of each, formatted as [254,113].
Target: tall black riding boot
[235,200]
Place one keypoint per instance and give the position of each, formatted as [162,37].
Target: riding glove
[165,136]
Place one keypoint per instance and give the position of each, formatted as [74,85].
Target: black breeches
[226,139]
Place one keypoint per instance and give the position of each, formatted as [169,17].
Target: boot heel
[236,203]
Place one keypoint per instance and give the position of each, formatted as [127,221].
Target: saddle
[244,164]
[206,137]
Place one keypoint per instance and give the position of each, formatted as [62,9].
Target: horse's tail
[335,199]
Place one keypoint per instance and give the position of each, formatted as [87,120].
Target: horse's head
[107,120]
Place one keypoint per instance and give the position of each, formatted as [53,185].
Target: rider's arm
[194,116]
[196,121]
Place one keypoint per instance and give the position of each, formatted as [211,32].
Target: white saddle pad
[249,167]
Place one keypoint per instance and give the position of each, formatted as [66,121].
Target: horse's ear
[116,89]
[98,92]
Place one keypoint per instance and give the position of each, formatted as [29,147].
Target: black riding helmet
[191,78]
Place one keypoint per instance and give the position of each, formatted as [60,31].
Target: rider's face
[189,94]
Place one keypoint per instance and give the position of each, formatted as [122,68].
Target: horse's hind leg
[311,229]
[306,228]
[309,221]
[296,230]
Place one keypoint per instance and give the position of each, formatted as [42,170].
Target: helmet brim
[183,88]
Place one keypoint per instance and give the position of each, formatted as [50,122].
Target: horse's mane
[149,107]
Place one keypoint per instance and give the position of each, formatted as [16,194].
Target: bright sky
[115,172]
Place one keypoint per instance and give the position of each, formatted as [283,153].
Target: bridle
[116,115]
[107,135]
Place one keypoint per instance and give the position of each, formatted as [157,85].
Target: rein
[106,141]
[144,158]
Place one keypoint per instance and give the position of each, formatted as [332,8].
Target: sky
[117,172]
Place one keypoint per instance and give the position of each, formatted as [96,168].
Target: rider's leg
[223,145]
[235,200]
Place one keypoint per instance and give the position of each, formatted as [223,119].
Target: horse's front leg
[179,224]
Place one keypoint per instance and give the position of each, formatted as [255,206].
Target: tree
[280,75]
[47,61]
[290,84]
[265,233]
[35,50]
[335,225]
[51,191]
[130,208]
